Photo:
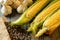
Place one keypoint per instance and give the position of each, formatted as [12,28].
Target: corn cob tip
[32,28]
[36,36]
[29,29]
[41,32]
[12,24]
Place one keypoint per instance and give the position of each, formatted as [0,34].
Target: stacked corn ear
[50,24]
[42,16]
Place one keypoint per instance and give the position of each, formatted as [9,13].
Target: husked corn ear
[50,24]
[55,18]
[38,21]
[31,12]
[53,28]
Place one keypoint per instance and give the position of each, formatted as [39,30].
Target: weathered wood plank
[4,35]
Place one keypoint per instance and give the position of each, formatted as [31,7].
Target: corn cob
[43,15]
[31,12]
[53,29]
[50,24]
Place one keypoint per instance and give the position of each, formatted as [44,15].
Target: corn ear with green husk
[38,21]
[50,24]
[31,12]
